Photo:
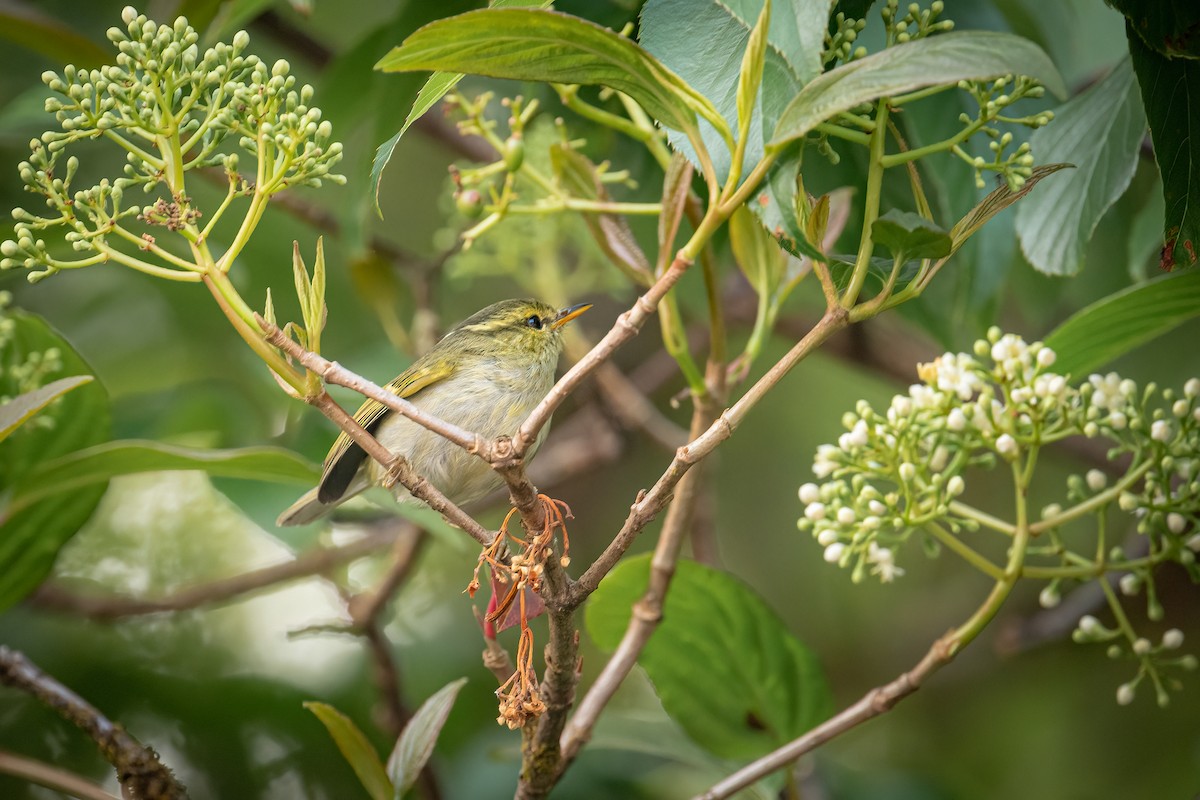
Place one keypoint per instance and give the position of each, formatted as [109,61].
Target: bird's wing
[345,457]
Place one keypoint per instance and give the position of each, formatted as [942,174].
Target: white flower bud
[1142,646]
[1128,388]
[815,511]
[1006,446]
[907,471]
[1127,501]
[1049,597]
[1172,639]
[827,537]
[1176,522]
[1130,584]
[834,552]
[1096,480]
[1089,625]
[1046,357]
[846,516]
[1160,430]
[809,493]
[955,486]
[1192,387]
[877,508]
[1052,510]
[1125,694]
[1193,543]
[956,420]
[1181,408]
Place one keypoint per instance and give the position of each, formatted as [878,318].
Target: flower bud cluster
[162,89]
[839,44]
[896,472]
[915,23]
[1154,661]
[994,98]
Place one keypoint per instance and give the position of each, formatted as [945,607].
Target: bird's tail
[305,510]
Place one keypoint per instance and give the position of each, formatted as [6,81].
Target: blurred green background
[218,692]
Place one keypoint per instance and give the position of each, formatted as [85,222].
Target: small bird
[486,375]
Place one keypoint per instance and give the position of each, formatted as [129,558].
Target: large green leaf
[1100,132]
[908,235]
[795,36]
[1113,326]
[31,537]
[415,745]
[1171,93]
[355,748]
[536,45]
[723,664]
[20,409]
[127,457]
[937,60]
[1172,27]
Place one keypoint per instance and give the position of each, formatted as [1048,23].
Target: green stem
[984,519]
[1012,571]
[242,318]
[1093,503]
[866,245]
[919,94]
[554,205]
[130,147]
[968,553]
[904,156]
[858,137]
[149,247]
[258,205]
[643,122]
[127,260]
[675,341]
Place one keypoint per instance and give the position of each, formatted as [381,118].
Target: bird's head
[519,328]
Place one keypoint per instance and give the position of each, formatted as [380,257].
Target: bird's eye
[534,322]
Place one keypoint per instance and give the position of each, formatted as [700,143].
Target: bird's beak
[567,314]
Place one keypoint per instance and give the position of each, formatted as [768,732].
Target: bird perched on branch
[486,376]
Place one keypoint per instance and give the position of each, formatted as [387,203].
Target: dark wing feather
[345,457]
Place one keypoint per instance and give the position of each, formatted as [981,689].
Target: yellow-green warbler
[486,375]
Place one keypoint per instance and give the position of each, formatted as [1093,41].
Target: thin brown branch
[139,771]
[335,373]
[370,605]
[625,328]
[644,509]
[874,703]
[51,777]
[54,597]
[649,504]
[647,612]
[398,467]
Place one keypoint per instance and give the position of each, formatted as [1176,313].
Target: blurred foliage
[219,691]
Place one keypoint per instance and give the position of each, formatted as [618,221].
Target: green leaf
[1117,324]
[1100,132]
[1171,27]
[435,89]
[677,184]
[127,457]
[998,200]
[938,60]
[16,411]
[536,45]
[909,235]
[751,75]
[723,664]
[757,253]
[27,27]
[30,538]
[355,749]
[415,745]
[1171,94]
[792,57]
